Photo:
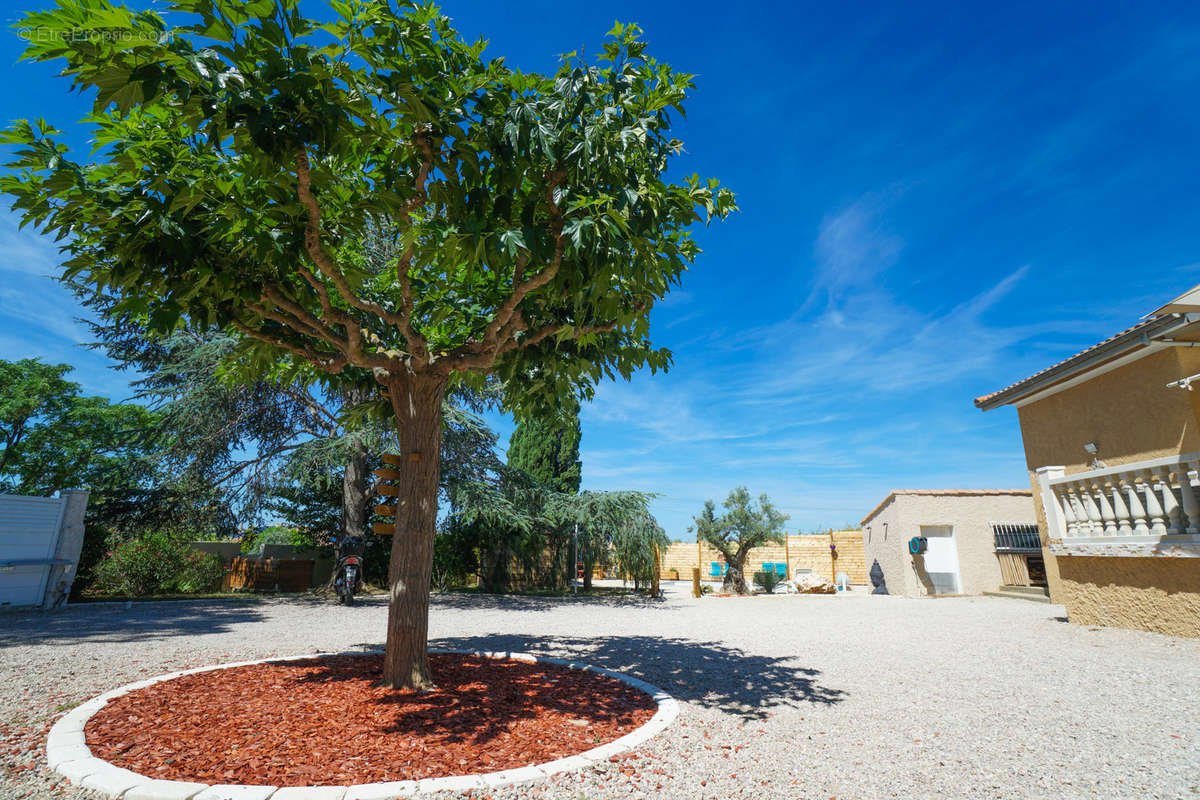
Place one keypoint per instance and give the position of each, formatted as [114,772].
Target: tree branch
[521,288]
[550,330]
[325,265]
[314,408]
[296,320]
[330,362]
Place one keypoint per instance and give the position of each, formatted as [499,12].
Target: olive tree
[242,163]
[742,527]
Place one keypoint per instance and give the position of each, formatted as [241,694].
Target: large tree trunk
[354,493]
[589,566]
[417,401]
[735,577]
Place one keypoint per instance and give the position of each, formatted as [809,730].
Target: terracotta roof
[1138,335]
[947,493]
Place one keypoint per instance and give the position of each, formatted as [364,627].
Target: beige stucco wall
[1131,415]
[1161,595]
[884,541]
[886,535]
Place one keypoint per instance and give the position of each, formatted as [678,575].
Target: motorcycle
[347,573]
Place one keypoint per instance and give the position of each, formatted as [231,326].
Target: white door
[941,559]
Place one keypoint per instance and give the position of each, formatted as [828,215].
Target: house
[968,541]
[1112,444]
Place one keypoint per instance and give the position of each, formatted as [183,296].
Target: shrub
[157,563]
[766,580]
[276,534]
[454,563]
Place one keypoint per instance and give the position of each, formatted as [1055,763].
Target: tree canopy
[55,438]
[374,197]
[245,159]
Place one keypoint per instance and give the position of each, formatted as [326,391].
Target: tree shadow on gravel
[141,622]
[707,674]
[480,699]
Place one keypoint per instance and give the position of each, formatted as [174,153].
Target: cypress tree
[547,447]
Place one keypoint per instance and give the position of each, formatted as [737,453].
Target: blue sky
[937,200]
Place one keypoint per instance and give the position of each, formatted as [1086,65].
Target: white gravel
[786,696]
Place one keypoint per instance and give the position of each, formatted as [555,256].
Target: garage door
[28,533]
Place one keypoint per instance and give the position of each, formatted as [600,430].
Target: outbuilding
[956,541]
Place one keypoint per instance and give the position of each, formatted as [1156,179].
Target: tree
[57,439]
[547,448]
[34,393]
[54,438]
[243,163]
[739,530]
[637,543]
[599,518]
[242,435]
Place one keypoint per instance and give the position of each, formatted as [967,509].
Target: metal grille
[1016,537]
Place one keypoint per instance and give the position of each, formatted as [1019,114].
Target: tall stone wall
[801,552]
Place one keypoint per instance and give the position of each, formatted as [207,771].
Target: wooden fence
[801,551]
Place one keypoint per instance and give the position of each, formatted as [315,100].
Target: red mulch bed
[328,721]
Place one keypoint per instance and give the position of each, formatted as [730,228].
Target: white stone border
[68,753]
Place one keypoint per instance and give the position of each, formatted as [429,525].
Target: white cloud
[24,251]
[853,248]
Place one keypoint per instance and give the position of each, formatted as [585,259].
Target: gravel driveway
[800,697]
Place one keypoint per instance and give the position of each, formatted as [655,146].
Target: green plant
[454,563]
[276,534]
[158,563]
[766,580]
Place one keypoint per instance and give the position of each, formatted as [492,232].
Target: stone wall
[801,552]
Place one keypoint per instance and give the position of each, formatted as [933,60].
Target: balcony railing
[1146,508]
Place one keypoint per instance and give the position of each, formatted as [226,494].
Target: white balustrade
[1146,508]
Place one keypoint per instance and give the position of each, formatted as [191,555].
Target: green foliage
[742,527]
[766,580]
[636,544]
[454,561]
[519,534]
[276,534]
[56,439]
[157,563]
[35,395]
[547,448]
[530,226]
